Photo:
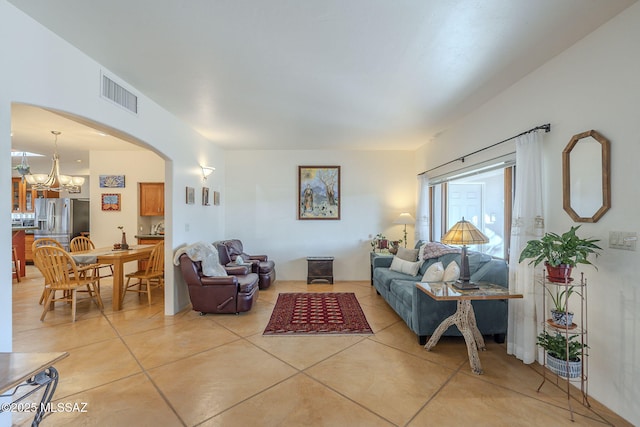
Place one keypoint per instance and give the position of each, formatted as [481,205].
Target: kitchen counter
[150,236]
[21,228]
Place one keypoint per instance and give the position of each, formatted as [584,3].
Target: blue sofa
[423,314]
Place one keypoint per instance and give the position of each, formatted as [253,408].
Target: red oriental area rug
[317,313]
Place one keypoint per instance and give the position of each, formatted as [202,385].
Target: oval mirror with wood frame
[586,186]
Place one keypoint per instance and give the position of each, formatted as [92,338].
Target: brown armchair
[225,294]
[229,250]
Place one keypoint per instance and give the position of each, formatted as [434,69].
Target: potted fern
[563,353]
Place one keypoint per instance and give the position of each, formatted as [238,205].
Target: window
[479,197]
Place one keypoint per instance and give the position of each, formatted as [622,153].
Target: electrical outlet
[625,240]
[186,227]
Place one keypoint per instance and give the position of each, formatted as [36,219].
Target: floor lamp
[405,218]
[464,233]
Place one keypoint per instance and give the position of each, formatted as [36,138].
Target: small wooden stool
[15,263]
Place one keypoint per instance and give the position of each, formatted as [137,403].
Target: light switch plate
[625,240]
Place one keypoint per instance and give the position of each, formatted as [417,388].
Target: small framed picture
[216,198]
[111,181]
[111,202]
[205,196]
[191,195]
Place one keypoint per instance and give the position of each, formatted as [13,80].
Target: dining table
[117,258]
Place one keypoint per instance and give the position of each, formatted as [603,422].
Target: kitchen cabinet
[22,198]
[151,196]
[28,251]
[50,194]
[142,264]
[17,241]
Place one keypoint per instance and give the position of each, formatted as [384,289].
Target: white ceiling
[319,74]
[31,131]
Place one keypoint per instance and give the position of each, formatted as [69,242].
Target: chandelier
[54,181]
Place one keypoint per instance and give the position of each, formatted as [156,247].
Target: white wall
[260,203]
[73,86]
[136,166]
[593,85]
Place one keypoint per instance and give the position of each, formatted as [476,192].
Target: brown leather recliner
[226,294]
[228,251]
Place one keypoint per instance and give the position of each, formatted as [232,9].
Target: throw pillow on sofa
[434,273]
[452,272]
[436,250]
[407,254]
[403,266]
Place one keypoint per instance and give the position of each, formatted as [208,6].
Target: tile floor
[138,367]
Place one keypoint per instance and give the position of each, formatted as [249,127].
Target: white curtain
[422,214]
[527,224]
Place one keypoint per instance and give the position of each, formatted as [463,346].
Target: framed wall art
[111,181]
[111,202]
[205,196]
[216,198]
[319,192]
[191,195]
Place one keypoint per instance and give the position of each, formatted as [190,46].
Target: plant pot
[383,244]
[560,273]
[563,368]
[562,318]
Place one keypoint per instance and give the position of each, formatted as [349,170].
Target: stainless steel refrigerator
[61,219]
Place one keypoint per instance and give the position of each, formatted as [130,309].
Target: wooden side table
[464,317]
[320,268]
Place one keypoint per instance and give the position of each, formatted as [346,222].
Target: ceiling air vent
[116,93]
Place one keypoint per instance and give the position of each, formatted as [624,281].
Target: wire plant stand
[578,330]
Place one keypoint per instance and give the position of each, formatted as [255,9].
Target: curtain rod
[546,128]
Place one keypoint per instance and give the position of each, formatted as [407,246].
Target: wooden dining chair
[15,264]
[47,241]
[43,241]
[61,274]
[83,243]
[151,277]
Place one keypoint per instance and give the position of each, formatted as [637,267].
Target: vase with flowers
[123,242]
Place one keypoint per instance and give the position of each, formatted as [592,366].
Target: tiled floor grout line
[304,371]
[590,413]
[459,370]
[144,371]
[298,372]
[348,398]
[595,416]
[436,393]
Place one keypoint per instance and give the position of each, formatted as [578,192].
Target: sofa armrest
[238,270]
[495,271]
[259,257]
[219,280]
[381,261]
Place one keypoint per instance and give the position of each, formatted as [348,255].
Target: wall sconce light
[206,171]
